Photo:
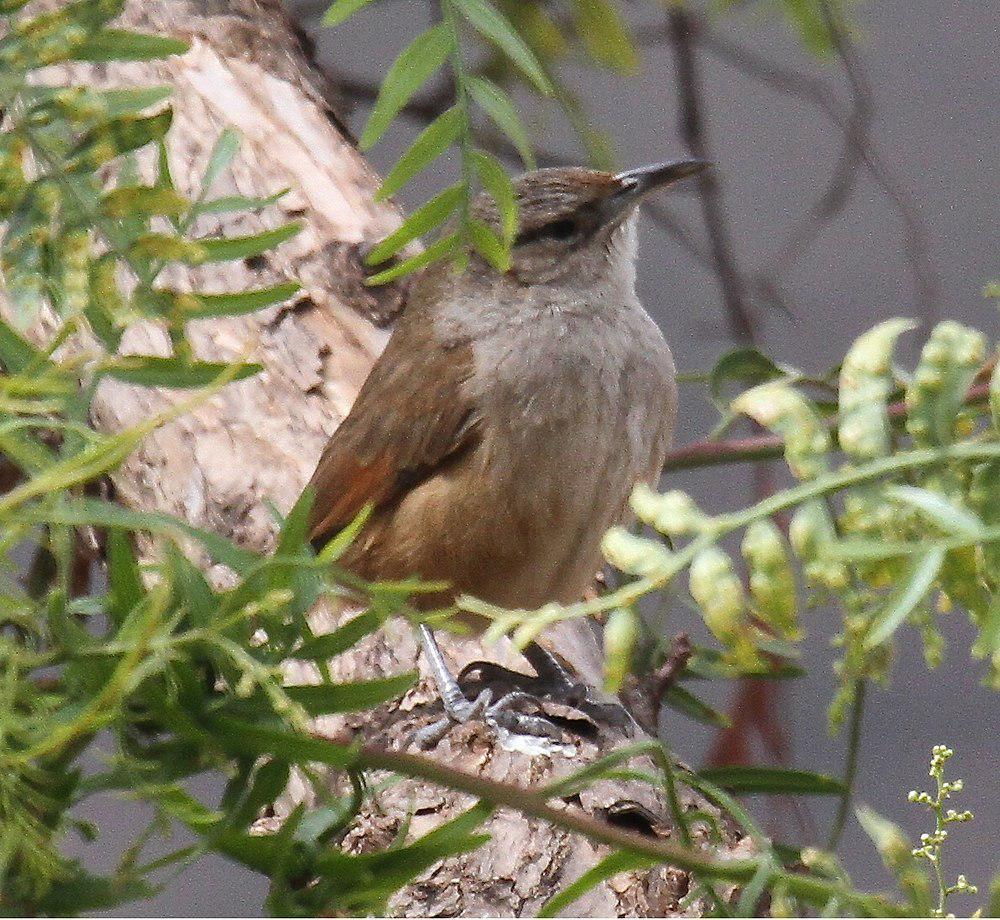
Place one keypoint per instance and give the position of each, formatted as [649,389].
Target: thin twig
[756,448]
[733,287]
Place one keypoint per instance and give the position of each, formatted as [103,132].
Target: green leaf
[229,203]
[115,137]
[167,247]
[123,45]
[294,533]
[489,245]
[747,366]
[421,221]
[246,247]
[78,512]
[144,200]
[324,699]
[440,249]
[133,101]
[341,10]
[683,701]
[772,780]
[174,373]
[496,181]
[125,587]
[82,892]
[710,664]
[411,70]
[607,868]
[804,17]
[910,591]
[248,739]
[16,352]
[245,302]
[605,34]
[434,140]
[491,24]
[223,153]
[498,105]
[330,645]
[935,507]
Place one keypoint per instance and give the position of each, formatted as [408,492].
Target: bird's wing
[397,433]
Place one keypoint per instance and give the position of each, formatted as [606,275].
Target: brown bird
[503,428]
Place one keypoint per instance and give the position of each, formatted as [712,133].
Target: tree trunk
[257,441]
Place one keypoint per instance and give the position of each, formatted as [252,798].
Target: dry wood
[257,441]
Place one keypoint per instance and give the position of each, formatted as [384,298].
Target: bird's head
[575,222]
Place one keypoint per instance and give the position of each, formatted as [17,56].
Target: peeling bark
[257,441]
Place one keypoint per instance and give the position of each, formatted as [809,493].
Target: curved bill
[638,182]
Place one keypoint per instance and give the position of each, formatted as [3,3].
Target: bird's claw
[515,731]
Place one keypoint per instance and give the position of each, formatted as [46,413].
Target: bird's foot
[559,687]
[515,730]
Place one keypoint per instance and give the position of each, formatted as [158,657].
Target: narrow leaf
[414,67]
[341,10]
[341,639]
[948,516]
[173,373]
[489,245]
[229,203]
[223,153]
[438,250]
[434,140]
[324,699]
[606,35]
[491,24]
[607,868]
[16,352]
[903,601]
[772,780]
[248,739]
[496,181]
[683,701]
[497,104]
[421,221]
[122,45]
[246,302]
[246,247]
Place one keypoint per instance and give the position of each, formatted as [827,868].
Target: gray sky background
[934,70]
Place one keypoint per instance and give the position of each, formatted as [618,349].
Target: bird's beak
[637,183]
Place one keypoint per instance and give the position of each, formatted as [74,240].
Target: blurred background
[850,188]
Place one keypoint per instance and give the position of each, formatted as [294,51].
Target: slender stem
[808,888]
[850,766]
[769,446]
[939,830]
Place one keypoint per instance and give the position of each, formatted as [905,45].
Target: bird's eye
[560,229]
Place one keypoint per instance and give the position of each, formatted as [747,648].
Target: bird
[505,424]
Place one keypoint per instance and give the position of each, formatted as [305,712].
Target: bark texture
[258,440]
